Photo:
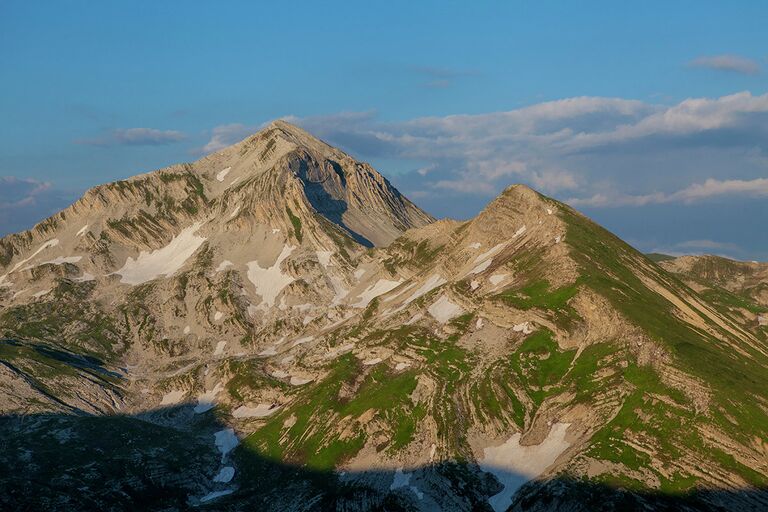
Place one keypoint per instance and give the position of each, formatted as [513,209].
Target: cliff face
[238,300]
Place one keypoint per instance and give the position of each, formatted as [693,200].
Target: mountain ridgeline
[276,327]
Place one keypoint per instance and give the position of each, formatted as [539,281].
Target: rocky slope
[299,336]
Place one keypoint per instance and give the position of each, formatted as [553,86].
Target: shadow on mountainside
[169,458]
[324,188]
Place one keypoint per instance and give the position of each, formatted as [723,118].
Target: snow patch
[381,287]
[433,282]
[359,273]
[270,281]
[519,232]
[50,243]
[173,397]
[475,245]
[490,252]
[224,264]
[324,257]
[82,230]
[87,276]
[269,351]
[401,366]
[497,278]
[513,464]
[206,401]
[219,348]
[217,316]
[525,328]
[300,381]
[444,310]
[371,362]
[225,475]
[479,324]
[56,261]
[474,284]
[186,329]
[301,341]
[225,441]
[223,174]
[481,267]
[215,494]
[162,262]
[260,411]
[401,479]
[234,212]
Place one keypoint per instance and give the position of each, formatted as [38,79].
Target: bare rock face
[276,327]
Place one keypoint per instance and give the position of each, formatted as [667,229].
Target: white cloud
[733,63]
[689,117]
[693,193]
[226,135]
[135,137]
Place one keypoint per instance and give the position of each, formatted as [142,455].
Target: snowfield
[433,282]
[50,243]
[270,281]
[162,262]
[513,464]
[173,397]
[223,174]
[225,441]
[225,475]
[206,401]
[381,287]
[444,310]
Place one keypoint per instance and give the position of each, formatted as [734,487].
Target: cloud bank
[591,151]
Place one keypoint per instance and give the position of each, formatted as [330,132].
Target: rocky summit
[275,327]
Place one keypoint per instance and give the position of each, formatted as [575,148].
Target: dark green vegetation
[738,383]
[405,252]
[296,222]
[538,295]
[54,371]
[88,329]
[314,440]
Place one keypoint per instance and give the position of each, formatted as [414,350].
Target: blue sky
[650,118]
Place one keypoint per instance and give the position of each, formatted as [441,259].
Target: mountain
[276,327]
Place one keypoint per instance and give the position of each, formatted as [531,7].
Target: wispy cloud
[225,135]
[693,193]
[732,63]
[24,202]
[134,137]
[691,247]
[438,77]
